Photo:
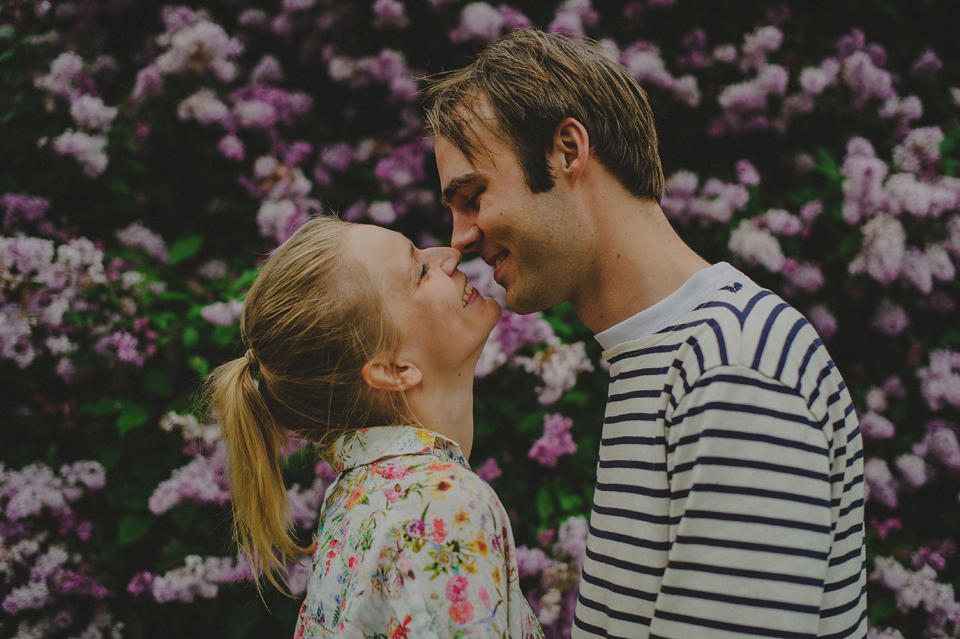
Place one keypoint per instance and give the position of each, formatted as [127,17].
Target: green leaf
[224,335]
[184,514]
[133,528]
[190,336]
[545,507]
[569,501]
[827,165]
[7,32]
[531,423]
[101,407]
[108,455]
[246,279]
[881,609]
[133,416]
[241,620]
[158,382]
[185,248]
[199,364]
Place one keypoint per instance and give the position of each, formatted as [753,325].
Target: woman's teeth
[467,292]
[499,260]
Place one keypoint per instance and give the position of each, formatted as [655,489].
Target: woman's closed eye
[423,270]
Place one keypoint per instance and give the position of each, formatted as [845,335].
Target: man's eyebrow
[457,184]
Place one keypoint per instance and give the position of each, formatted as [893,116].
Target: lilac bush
[153,153]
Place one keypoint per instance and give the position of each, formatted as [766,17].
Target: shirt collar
[369,445]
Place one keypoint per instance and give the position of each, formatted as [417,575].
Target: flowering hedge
[152,154]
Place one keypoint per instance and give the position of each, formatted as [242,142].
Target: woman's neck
[444,404]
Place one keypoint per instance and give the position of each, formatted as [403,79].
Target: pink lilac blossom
[489,470]
[883,250]
[780,222]
[202,480]
[747,173]
[823,320]
[231,147]
[149,83]
[267,71]
[199,577]
[531,562]
[643,61]
[940,443]
[572,539]
[204,107]
[390,13]
[928,62]
[91,113]
[919,589]
[879,483]
[876,426]
[890,319]
[815,80]
[904,110]
[756,246]
[258,106]
[222,313]
[120,346]
[140,237]
[805,276]
[255,114]
[757,45]
[555,442]
[305,502]
[572,16]
[917,270]
[213,269]
[863,176]
[913,470]
[558,367]
[382,212]
[920,148]
[513,18]
[940,382]
[32,596]
[866,80]
[87,149]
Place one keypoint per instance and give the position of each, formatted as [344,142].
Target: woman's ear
[383,374]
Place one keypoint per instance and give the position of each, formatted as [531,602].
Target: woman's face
[443,321]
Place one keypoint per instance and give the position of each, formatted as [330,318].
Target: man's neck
[640,260]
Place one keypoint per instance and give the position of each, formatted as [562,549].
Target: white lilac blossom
[558,367]
[140,237]
[382,212]
[267,71]
[478,21]
[222,313]
[193,42]
[231,147]
[875,426]
[87,149]
[204,107]
[572,539]
[213,269]
[920,148]
[715,203]
[919,589]
[61,80]
[90,112]
[780,222]
[747,173]
[883,249]
[643,61]
[572,16]
[555,442]
[866,80]
[940,382]
[756,246]
[913,470]
[757,45]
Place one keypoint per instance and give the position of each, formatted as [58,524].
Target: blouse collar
[369,445]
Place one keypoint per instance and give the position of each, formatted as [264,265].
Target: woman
[366,346]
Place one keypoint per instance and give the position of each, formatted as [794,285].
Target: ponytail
[262,520]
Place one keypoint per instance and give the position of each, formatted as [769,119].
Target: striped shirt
[729,498]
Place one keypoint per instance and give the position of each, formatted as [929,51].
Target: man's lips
[498,263]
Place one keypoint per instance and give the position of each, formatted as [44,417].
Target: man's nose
[466,234]
[447,258]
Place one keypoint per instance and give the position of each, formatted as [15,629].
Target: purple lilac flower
[913,470]
[513,19]
[402,167]
[63,73]
[390,13]
[805,276]
[866,79]
[201,480]
[489,470]
[756,246]
[747,173]
[558,367]
[531,562]
[222,313]
[934,555]
[928,62]
[195,43]
[760,43]
[572,539]
[149,83]
[780,222]
[891,319]
[232,148]
[876,426]
[478,21]
[120,345]
[555,442]
[19,207]
[267,71]
[32,596]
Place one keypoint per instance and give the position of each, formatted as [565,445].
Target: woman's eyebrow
[456,185]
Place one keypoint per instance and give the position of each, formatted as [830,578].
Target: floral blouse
[412,544]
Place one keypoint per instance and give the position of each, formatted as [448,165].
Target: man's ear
[571,146]
[383,374]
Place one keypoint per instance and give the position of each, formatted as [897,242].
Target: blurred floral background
[151,156]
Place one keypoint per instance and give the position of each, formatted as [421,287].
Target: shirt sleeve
[455,554]
[750,518]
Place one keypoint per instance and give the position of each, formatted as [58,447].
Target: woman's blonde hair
[312,319]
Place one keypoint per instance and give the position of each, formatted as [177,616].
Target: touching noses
[448,259]
[466,234]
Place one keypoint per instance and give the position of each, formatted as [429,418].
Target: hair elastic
[252,359]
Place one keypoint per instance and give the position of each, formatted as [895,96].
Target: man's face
[535,242]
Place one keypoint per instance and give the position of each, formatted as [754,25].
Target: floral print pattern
[412,543]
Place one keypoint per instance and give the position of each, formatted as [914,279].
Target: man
[729,497]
